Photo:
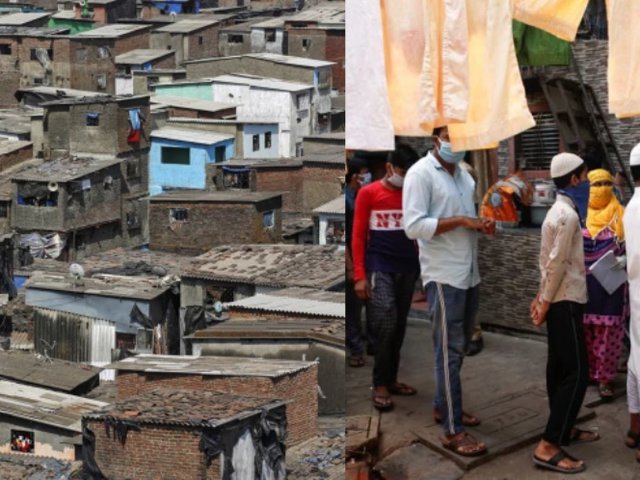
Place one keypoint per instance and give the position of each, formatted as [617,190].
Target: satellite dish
[76,270]
[52,186]
[108,180]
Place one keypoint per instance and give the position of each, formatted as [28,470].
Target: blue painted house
[180,158]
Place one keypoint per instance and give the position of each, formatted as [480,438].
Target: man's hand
[473,224]
[540,313]
[621,263]
[534,305]
[488,226]
[362,289]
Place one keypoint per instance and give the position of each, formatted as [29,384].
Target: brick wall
[210,225]
[155,452]
[209,46]
[321,183]
[9,73]
[300,389]
[288,180]
[8,160]
[335,53]
[168,62]
[509,278]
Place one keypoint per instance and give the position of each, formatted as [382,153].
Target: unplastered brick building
[186,434]
[294,382]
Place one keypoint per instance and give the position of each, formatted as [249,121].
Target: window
[256,143]
[535,147]
[34,53]
[22,441]
[270,34]
[235,178]
[37,81]
[267,140]
[103,52]
[132,169]
[4,209]
[101,81]
[306,43]
[298,103]
[200,40]
[175,156]
[268,219]
[235,39]
[5,49]
[133,221]
[178,214]
[220,151]
[92,119]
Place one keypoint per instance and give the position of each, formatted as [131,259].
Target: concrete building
[294,382]
[319,33]
[15,124]
[36,421]
[93,52]
[181,158]
[268,37]
[14,152]
[266,99]
[106,11]
[31,19]
[329,220]
[191,108]
[145,81]
[197,89]
[192,222]
[236,39]
[35,97]
[203,435]
[145,59]
[190,39]
[67,19]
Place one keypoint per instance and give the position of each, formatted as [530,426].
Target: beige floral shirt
[562,255]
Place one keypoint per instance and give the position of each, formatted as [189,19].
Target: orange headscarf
[604,209]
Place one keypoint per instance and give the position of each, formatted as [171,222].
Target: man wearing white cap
[560,302]
[632,233]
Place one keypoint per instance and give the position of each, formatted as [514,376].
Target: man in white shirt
[439,212]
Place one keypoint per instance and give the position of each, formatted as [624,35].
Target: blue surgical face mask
[580,196]
[364,179]
[448,155]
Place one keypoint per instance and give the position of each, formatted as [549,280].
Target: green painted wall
[199,91]
[76,26]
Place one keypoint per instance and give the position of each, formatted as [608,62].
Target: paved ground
[507,366]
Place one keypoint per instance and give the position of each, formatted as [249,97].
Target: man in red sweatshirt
[386,269]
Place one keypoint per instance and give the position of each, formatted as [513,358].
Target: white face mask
[364,179]
[395,179]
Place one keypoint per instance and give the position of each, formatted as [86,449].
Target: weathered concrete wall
[321,184]
[331,360]
[8,160]
[203,43]
[314,39]
[48,440]
[259,43]
[263,151]
[168,41]
[30,217]
[227,48]
[210,225]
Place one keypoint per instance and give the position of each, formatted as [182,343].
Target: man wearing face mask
[560,302]
[385,271]
[439,212]
[357,176]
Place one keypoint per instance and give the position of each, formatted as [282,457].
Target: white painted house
[263,99]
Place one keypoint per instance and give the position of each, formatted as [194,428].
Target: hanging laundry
[135,126]
[537,48]
[624,57]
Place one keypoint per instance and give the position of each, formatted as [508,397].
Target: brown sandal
[468,420]
[464,444]
[382,402]
[583,436]
[402,389]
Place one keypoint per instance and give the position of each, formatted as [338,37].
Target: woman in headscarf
[604,317]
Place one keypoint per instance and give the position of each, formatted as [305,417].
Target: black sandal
[554,463]
[635,437]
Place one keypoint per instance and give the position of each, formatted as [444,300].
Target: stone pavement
[508,368]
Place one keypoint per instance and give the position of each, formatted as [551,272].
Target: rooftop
[191,103]
[17,31]
[262,82]
[291,60]
[57,92]
[104,285]
[186,408]
[279,265]
[98,99]
[211,366]
[187,26]
[214,197]
[8,146]
[277,22]
[244,27]
[65,169]
[331,156]
[22,18]
[44,406]
[216,121]
[284,304]
[140,56]
[54,374]
[335,206]
[191,136]
[324,330]
[15,121]
[325,16]
[113,30]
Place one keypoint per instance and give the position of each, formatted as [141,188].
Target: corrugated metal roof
[262,82]
[200,137]
[44,406]
[142,55]
[54,374]
[271,303]
[335,206]
[211,366]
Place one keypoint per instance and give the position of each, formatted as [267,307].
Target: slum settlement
[171,238]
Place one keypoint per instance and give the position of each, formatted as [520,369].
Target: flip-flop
[356,361]
[605,391]
[468,420]
[553,463]
[579,436]
[402,389]
[635,437]
[382,402]
[458,443]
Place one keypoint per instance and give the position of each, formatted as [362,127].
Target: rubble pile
[319,458]
[14,467]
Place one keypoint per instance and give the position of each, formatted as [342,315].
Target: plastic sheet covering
[243,461]
[194,319]
[120,428]
[136,316]
[89,465]
[43,246]
[268,433]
